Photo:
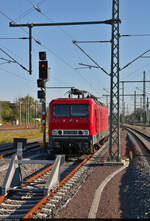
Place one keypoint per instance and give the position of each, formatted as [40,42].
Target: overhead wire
[85,79]
[70,36]
[130,75]
[66,33]
[135,35]
[32,78]
[51,51]
[14,73]
[142,90]
[15,61]
[28,11]
[5,15]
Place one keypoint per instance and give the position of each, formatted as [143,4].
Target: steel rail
[45,198]
[34,177]
[143,138]
[41,173]
[9,149]
[32,210]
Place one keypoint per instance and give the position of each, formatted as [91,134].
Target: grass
[8,137]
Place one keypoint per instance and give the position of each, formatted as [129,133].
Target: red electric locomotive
[77,124]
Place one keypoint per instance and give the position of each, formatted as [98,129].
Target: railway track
[31,200]
[139,139]
[9,149]
[138,176]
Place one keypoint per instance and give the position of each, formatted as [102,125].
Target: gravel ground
[79,206]
[127,195]
[134,191]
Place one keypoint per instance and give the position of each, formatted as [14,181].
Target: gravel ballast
[127,195]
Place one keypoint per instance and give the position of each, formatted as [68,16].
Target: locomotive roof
[82,95]
[85,98]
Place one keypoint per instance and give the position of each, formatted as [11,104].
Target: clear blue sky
[62,55]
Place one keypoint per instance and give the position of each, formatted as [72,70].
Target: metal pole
[35,113]
[44,121]
[0,112]
[114,86]
[124,107]
[109,22]
[141,109]
[123,101]
[147,111]
[134,105]
[107,101]
[44,115]
[28,111]
[141,102]
[26,103]
[20,113]
[134,101]
[44,125]
[144,96]
[30,48]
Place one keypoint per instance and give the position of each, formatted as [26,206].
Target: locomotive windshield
[70,110]
[61,110]
[79,110]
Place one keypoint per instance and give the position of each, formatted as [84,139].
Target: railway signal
[42,55]
[41,83]
[43,70]
[43,74]
[41,94]
[43,66]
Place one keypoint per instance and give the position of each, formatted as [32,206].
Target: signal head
[42,55]
[43,70]
[41,94]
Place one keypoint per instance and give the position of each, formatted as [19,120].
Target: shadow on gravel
[134,192]
[128,200]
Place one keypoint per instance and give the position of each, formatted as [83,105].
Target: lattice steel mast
[114,153]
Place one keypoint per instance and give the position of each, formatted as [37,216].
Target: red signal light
[43,70]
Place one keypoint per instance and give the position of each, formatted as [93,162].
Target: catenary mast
[114,154]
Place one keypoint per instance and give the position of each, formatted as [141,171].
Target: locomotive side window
[79,110]
[61,110]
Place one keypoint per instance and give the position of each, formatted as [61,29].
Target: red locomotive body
[76,124]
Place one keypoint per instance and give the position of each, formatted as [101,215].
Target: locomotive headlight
[57,132]
[60,132]
[85,132]
[80,132]
[54,132]
[70,132]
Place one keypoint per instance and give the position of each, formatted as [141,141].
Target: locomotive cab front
[69,125]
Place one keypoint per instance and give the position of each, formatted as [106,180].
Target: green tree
[21,106]
[6,112]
